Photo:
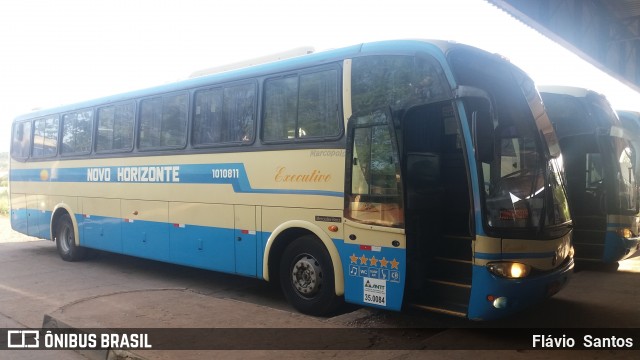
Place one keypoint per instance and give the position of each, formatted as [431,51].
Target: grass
[4,190]
[4,201]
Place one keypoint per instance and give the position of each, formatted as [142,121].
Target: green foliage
[4,202]
[4,179]
[396,81]
[4,161]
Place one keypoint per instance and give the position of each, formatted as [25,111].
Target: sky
[64,51]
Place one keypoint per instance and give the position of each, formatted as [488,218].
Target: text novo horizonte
[135,174]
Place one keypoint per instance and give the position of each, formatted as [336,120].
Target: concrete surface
[38,289]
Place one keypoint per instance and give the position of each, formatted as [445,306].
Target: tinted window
[21,140]
[115,128]
[280,108]
[45,137]
[375,196]
[76,132]
[396,81]
[224,115]
[318,105]
[163,122]
[302,106]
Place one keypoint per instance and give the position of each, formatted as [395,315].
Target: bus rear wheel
[307,277]
[66,241]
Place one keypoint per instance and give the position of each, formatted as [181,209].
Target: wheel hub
[307,276]
[65,238]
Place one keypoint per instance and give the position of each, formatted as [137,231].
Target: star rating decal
[373,261]
[394,264]
[374,268]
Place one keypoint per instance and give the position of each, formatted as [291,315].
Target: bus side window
[302,107]
[21,141]
[594,171]
[45,137]
[280,109]
[375,196]
[163,122]
[115,128]
[318,105]
[77,131]
[224,116]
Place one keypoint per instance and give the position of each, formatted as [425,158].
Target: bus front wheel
[66,240]
[307,277]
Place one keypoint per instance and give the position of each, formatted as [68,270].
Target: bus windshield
[622,159]
[592,133]
[518,155]
[624,185]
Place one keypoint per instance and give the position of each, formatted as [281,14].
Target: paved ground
[115,291]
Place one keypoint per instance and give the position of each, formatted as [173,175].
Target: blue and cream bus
[630,121]
[600,161]
[385,174]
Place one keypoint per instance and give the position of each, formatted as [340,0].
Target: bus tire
[307,277]
[66,241]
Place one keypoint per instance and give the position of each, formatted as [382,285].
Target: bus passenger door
[245,240]
[374,251]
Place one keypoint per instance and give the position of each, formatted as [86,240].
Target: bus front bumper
[494,297]
[617,248]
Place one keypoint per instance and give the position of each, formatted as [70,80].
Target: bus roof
[566,90]
[304,50]
[400,47]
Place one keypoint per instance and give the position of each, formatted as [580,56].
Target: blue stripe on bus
[233,174]
[204,247]
[503,256]
[620,225]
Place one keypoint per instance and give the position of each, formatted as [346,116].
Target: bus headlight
[625,233]
[511,270]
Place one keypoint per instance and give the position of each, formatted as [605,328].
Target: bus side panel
[201,235]
[34,215]
[372,275]
[19,217]
[101,224]
[203,247]
[245,240]
[261,239]
[145,229]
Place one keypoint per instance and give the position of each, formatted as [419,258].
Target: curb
[49,322]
